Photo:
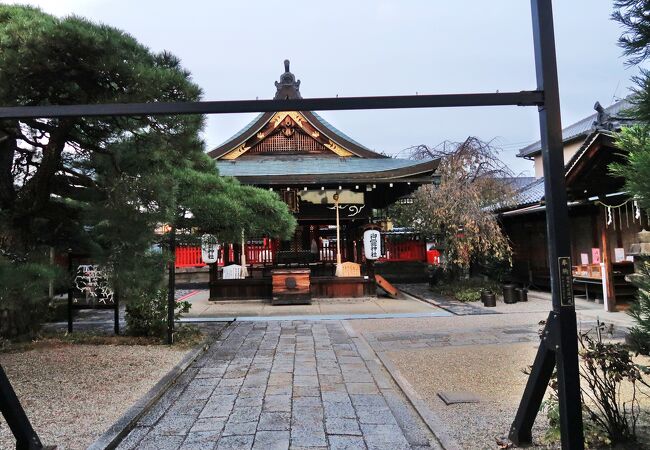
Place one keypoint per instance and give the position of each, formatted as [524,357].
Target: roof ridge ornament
[604,120]
[288,87]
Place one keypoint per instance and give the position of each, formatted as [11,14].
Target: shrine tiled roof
[337,169]
[581,128]
[336,131]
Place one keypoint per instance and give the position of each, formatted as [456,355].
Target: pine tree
[635,142]
[101,185]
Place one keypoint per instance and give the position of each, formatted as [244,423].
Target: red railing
[191,256]
[412,250]
[327,252]
[261,253]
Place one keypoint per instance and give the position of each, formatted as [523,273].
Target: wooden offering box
[291,287]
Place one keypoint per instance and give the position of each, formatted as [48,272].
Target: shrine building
[314,168]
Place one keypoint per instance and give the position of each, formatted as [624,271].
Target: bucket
[522,294]
[509,294]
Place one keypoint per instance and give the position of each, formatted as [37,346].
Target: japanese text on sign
[566,281]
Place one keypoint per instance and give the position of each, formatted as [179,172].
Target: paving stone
[384,436]
[225,390]
[274,421]
[346,443]
[336,396]
[286,384]
[235,442]
[362,388]
[208,424]
[248,401]
[160,442]
[133,438]
[339,425]
[188,405]
[300,402]
[305,380]
[211,372]
[245,414]
[274,403]
[330,379]
[279,389]
[376,400]
[339,409]
[280,379]
[239,428]
[257,391]
[307,438]
[231,381]
[271,440]
[171,425]
[218,406]
[200,440]
[306,391]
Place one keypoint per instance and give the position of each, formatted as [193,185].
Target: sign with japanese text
[566,281]
[372,244]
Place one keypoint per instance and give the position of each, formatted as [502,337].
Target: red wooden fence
[411,250]
[189,257]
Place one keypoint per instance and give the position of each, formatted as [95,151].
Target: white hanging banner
[371,244]
[209,249]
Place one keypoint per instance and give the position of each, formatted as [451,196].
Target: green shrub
[23,296]
[146,314]
[468,294]
[607,372]
[465,290]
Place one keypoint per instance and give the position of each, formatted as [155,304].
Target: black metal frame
[559,345]
[14,414]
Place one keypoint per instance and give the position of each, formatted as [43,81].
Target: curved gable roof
[288,87]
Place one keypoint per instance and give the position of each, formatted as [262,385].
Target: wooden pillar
[606,260]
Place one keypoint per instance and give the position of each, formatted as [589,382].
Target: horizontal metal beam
[523,98]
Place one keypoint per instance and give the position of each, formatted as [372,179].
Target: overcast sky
[235,50]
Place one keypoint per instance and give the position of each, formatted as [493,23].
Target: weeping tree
[457,211]
[100,186]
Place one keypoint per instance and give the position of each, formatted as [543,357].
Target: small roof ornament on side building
[604,120]
[288,87]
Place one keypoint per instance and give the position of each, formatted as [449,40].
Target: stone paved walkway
[280,385]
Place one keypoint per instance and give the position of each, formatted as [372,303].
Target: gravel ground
[478,354]
[492,372]
[73,393]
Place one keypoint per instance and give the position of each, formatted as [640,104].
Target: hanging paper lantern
[209,249]
[371,244]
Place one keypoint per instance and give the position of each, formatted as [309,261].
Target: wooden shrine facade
[604,223]
[315,169]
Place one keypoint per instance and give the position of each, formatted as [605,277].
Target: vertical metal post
[70,293]
[116,316]
[171,291]
[14,414]
[563,336]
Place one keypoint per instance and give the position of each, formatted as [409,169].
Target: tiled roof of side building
[580,128]
[531,194]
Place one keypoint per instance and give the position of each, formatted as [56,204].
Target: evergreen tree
[101,185]
[635,142]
